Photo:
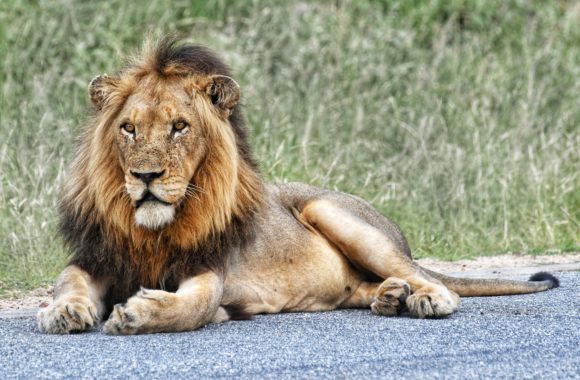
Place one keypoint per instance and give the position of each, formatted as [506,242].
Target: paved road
[532,336]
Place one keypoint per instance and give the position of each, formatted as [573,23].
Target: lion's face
[162,140]
[161,143]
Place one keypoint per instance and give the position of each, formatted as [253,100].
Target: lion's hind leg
[367,245]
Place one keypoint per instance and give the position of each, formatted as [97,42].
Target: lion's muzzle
[152,211]
[149,197]
[147,177]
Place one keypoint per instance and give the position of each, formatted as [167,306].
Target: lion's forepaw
[73,314]
[390,297]
[145,312]
[432,302]
[124,321]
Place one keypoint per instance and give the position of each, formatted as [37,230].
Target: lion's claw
[140,314]
[121,321]
[66,316]
[391,296]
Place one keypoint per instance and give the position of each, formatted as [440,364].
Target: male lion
[171,226]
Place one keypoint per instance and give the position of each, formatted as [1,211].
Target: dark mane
[196,58]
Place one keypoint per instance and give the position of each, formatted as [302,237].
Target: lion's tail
[467,287]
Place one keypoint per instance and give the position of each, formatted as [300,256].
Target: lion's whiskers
[193,191]
[192,194]
[196,188]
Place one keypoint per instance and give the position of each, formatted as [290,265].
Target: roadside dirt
[26,300]
[40,297]
[502,261]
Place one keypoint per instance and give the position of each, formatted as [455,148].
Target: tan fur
[193,305]
[303,249]
[78,303]
[369,248]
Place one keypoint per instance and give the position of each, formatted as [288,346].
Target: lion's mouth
[149,197]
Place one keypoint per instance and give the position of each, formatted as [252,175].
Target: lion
[171,226]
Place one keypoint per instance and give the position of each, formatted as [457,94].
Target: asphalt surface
[531,336]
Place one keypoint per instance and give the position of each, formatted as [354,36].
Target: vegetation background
[458,119]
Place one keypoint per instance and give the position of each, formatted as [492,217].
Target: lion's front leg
[77,304]
[150,311]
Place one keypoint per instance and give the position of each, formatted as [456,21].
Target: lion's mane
[97,219]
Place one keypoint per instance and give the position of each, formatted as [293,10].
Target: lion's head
[164,159]
[165,117]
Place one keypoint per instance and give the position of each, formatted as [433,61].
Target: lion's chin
[154,215]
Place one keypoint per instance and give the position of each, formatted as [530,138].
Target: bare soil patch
[19,300]
[511,260]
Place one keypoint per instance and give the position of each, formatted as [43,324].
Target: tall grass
[458,119]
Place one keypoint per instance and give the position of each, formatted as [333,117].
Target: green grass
[458,119]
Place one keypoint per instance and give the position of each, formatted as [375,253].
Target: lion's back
[297,195]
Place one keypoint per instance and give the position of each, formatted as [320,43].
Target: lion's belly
[289,269]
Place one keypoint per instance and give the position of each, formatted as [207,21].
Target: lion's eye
[129,128]
[179,126]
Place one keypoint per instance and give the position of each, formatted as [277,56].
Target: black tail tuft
[237,312]
[545,276]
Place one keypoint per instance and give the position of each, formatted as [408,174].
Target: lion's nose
[147,177]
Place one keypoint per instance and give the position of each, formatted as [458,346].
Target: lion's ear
[223,92]
[100,88]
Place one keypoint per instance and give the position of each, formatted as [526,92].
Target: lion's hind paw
[432,303]
[390,297]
